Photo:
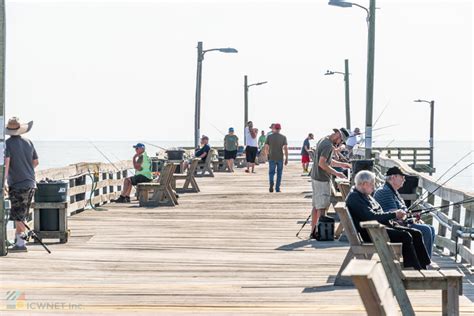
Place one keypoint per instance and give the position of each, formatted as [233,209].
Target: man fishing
[21,160]
[390,200]
[142,165]
[363,207]
[321,173]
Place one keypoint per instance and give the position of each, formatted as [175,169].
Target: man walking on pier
[142,165]
[275,145]
[321,174]
[20,161]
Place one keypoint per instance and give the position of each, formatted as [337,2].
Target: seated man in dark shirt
[200,152]
[204,150]
[363,207]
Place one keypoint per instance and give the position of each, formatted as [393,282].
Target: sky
[126,70]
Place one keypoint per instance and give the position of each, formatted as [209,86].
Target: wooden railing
[418,158]
[105,179]
[455,223]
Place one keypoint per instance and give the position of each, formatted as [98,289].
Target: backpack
[326,228]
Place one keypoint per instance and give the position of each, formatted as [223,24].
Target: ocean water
[54,154]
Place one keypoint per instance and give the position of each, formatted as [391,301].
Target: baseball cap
[231,129]
[277,126]
[139,145]
[395,170]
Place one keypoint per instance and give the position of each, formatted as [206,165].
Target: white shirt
[249,141]
[352,140]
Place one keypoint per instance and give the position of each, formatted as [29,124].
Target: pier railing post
[3,224]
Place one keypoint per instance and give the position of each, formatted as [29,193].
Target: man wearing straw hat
[20,162]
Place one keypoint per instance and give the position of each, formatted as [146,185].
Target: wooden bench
[372,284]
[204,169]
[158,193]
[344,187]
[189,179]
[358,248]
[448,281]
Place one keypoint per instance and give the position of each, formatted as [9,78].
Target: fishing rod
[100,151]
[422,197]
[156,146]
[455,164]
[380,115]
[223,134]
[32,234]
[429,209]
[304,224]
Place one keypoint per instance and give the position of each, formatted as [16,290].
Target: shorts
[230,154]
[139,178]
[20,200]
[251,153]
[305,158]
[321,194]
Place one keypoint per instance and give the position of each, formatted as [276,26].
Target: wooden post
[3,224]
[468,222]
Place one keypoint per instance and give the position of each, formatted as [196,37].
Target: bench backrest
[167,174]
[192,168]
[344,188]
[374,289]
[390,263]
[346,221]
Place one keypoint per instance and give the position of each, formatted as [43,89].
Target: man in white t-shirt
[352,140]
[251,143]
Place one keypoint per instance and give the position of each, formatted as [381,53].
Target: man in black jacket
[363,207]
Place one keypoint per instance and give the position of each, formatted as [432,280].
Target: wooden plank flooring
[230,249]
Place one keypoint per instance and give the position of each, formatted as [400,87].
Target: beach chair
[448,281]
[374,289]
[190,184]
[358,248]
[158,193]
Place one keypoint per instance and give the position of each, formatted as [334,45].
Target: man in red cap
[275,145]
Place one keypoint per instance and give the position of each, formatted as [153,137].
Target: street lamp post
[370,69]
[246,101]
[431,103]
[347,96]
[197,110]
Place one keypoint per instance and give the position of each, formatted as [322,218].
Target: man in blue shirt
[390,200]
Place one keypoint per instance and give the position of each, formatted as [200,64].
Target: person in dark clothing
[363,207]
[21,160]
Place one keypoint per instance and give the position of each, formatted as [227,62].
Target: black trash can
[358,165]
[177,154]
[50,192]
[409,187]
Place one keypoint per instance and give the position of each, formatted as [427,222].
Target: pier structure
[229,249]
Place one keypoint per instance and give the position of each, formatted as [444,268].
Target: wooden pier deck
[230,249]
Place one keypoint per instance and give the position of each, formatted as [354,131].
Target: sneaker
[278,190]
[122,199]
[271,189]
[17,248]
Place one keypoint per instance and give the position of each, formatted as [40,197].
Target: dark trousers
[413,249]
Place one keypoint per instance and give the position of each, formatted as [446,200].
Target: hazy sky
[125,70]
